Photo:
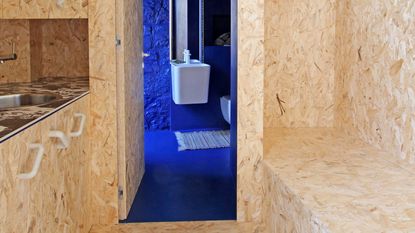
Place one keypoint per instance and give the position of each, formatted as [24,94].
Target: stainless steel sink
[21,100]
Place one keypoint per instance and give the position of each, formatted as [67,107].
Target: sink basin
[21,100]
[190,82]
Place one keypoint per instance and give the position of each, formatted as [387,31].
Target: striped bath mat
[203,140]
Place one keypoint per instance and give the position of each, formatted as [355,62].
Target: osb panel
[18,32]
[130,101]
[250,110]
[287,212]
[178,227]
[56,199]
[36,47]
[327,181]
[63,47]
[39,9]
[71,178]
[15,195]
[44,49]
[102,67]
[376,78]
[300,51]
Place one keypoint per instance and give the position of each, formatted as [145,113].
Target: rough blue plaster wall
[157,81]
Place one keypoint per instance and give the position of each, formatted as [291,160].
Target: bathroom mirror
[197,24]
[186,28]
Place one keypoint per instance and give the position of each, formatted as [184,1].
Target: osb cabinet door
[20,206]
[57,198]
[44,9]
[67,191]
[76,165]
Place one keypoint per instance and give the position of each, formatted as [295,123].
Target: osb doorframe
[103,110]
[251,61]
[103,91]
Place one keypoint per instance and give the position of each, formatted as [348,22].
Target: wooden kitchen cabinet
[57,198]
[44,9]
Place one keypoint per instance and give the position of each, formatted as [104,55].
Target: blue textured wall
[157,81]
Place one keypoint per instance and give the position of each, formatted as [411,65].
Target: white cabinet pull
[64,140]
[82,118]
[60,3]
[39,156]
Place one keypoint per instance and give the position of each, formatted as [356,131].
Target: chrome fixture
[10,57]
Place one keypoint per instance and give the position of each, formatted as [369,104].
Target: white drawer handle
[39,156]
[82,118]
[64,141]
[60,3]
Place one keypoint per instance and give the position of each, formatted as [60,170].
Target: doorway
[188,185]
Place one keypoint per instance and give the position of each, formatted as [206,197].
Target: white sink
[190,82]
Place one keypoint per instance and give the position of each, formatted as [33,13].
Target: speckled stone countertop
[346,184]
[13,120]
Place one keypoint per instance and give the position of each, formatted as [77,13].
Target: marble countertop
[14,120]
[347,184]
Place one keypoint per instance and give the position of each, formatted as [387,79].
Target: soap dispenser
[186,54]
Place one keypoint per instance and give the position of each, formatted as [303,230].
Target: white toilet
[225,105]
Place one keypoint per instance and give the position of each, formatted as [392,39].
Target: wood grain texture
[44,9]
[299,64]
[63,46]
[18,32]
[130,101]
[375,75]
[250,110]
[103,89]
[45,48]
[15,194]
[57,199]
[178,227]
[327,181]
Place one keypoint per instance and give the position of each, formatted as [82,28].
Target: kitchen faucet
[10,57]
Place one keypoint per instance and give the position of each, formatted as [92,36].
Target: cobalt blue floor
[184,186]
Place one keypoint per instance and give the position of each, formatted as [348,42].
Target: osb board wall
[44,9]
[103,91]
[18,32]
[130,101]
[63,46]
[299,73]
[45,48]
[251,59]
[376,73]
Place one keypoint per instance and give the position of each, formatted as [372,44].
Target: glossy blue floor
[184,186]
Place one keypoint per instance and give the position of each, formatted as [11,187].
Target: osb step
[177,227]
[322,180]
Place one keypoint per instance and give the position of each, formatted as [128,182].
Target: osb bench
[322,180]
